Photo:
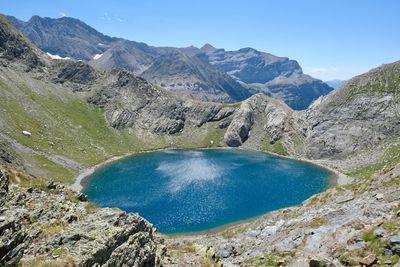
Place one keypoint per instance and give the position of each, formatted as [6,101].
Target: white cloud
[62,14]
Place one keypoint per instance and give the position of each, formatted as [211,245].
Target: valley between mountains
[59,117]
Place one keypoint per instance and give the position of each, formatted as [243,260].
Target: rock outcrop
[54,225]
[78,75]
[15,47]
[132,102]
[361,114]
[276,116]
[6,153]
[11,234]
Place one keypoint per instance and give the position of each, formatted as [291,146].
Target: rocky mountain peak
[59,36]
[14,47]
[207,48]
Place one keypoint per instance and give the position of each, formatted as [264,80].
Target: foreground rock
[41,226]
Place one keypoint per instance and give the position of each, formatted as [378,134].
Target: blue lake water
[181,191]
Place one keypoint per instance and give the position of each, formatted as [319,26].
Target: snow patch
[57,57]
[97,56]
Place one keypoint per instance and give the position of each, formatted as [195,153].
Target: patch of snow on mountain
[57,57]
[97,56]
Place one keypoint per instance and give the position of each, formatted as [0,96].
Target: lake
[184,191]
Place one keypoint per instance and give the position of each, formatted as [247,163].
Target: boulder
[370,260]
[26,133]
[314,262]
[394,244]
[139,250]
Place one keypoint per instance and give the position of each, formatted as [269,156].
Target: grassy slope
[64,124]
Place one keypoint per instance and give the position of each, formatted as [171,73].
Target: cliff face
[275,119]
[361,114]
[14,47]
[148,108]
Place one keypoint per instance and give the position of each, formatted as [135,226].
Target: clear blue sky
[334,39]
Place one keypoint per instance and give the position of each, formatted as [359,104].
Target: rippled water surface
[183,191]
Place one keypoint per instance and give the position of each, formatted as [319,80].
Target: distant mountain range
[335,83]
[205,73]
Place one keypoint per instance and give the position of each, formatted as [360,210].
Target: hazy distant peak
[207,48]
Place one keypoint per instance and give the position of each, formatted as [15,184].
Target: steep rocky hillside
[361,114]
[66,37]
[205,74]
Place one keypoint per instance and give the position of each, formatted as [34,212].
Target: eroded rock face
[55,224]
[277,118]
[137,251]
[361,114]
[11,234]
[132,102]
[80,75]
[14,48]
[238,130]
[3,186]
[6,155]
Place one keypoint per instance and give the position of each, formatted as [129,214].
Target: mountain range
[204,73]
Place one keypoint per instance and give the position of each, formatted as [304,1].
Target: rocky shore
[50,225]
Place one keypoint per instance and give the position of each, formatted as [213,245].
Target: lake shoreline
[336,178]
